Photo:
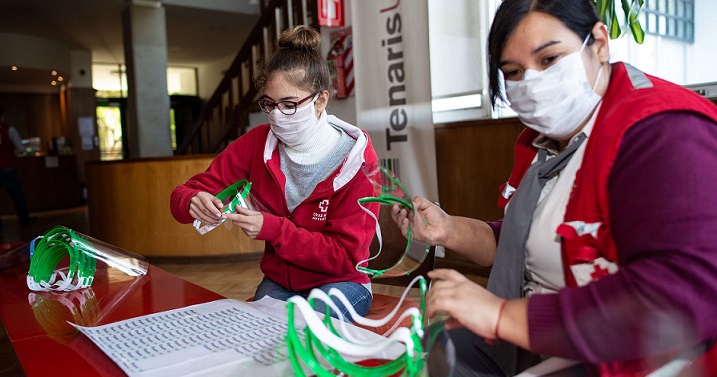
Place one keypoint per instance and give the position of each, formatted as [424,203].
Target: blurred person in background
[10,143]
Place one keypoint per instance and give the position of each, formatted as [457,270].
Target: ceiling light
[53,82]
[14,68]
[60,78]
[54,73]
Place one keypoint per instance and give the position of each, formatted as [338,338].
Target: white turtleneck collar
[322,141]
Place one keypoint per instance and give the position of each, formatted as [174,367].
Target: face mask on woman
[295,129]
[557,100]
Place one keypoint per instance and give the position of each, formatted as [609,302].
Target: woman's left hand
[248,220]
[464,302]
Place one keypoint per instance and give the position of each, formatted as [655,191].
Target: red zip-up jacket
[326,235]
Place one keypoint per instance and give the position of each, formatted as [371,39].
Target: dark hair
[578,15]
[298,55]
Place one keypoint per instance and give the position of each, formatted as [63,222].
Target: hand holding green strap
[392,192]
[238,192]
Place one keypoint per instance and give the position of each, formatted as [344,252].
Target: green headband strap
[234,190]
[239,198]
[415,252]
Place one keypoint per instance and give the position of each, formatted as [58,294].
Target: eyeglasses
[286,107]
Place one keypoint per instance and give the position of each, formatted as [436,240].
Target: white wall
[81,68]
[457,34]
[210,75]
[457,61]
[703,54]
[680,62]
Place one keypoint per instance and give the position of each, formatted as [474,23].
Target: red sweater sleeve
[664,223]
[336,249]
[227,168]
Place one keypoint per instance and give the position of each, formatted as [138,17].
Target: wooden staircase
[225,115]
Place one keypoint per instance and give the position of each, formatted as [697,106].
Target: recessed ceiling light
[53,82]
[60,78]
[14,68]
[54,73]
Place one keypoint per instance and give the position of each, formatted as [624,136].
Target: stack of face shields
[326,351]
[389,191]
[65,260]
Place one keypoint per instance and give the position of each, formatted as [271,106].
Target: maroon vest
[588,249]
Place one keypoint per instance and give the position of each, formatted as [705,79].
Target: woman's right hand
[428,222]
[206,208]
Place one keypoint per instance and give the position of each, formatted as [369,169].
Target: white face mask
[295,129]
[557,100]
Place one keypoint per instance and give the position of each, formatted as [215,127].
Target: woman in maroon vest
[607,253]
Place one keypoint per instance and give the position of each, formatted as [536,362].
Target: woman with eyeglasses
[305,169]
[607,251]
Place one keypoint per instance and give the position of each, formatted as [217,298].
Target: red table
[35,322]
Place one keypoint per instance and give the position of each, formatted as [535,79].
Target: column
[145,46]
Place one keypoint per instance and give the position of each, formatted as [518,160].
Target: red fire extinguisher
[331,13]
[340,58]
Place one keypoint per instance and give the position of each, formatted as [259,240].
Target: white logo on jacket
[585,273]
[323,207]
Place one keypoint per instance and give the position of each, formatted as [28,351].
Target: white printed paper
[219,338]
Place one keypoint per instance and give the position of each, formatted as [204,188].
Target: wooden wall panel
[473,159]
[33,115]
[128,206]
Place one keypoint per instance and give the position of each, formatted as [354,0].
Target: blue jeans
[356,293]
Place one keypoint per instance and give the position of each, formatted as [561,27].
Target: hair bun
[301,37]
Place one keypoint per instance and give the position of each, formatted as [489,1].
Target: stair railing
[225,116]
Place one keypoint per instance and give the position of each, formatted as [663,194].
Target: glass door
[110,126]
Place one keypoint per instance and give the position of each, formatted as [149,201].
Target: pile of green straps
[45,254]
[315,354]
[83,252]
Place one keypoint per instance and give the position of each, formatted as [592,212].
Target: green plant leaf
[607,11]
[601,6]
[631,13]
